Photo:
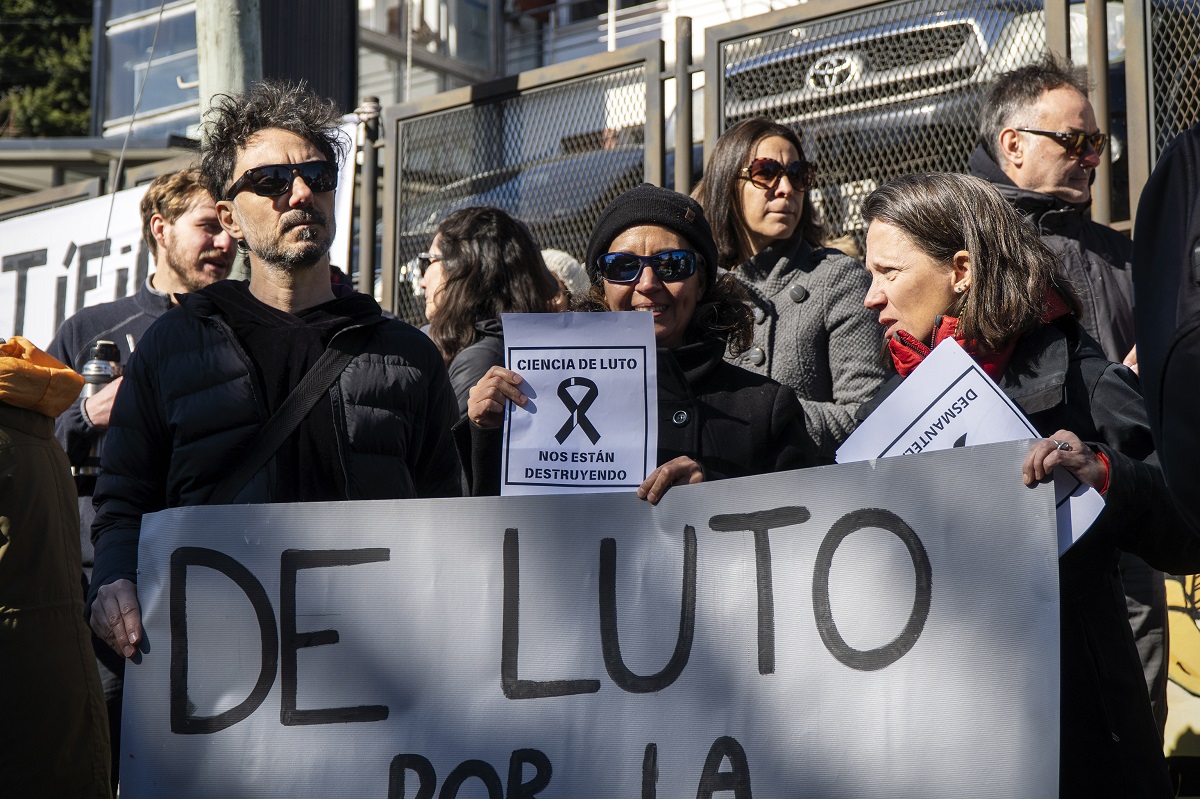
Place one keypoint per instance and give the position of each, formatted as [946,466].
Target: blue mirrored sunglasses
[670,266]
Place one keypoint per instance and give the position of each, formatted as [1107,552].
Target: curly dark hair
[722,313]
[492,266]
[719,191]
[231,120]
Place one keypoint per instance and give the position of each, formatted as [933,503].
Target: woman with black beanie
[653,252]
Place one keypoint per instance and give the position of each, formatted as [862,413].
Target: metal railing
[541,33]
[550,146]
[875,90]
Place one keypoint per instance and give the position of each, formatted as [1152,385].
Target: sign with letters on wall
[833,632]
[55,262]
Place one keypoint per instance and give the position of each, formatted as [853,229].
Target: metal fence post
[1058,28]
[656,145]
[1097,52]
[1138,114]
[683,104]
[368,114]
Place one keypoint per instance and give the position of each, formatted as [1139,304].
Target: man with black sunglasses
[368,402]
[1039,146]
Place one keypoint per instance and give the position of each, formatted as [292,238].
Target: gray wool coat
[813,333]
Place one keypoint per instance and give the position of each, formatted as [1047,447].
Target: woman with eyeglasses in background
[653,252]
[810,331]
[482,263]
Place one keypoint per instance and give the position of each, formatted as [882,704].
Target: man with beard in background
[191,250]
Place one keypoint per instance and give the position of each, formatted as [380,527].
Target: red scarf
[908,353]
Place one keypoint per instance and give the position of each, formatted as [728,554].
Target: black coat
[1096,258]
[734,423]
[121,321]
[191,404]
[1109,744]
[1167,278]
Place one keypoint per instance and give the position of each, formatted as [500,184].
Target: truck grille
[903,60]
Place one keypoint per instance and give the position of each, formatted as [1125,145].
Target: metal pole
[1097,48]
[1058,28]
[368,114]
[228,47]
[498,37]
[683,104]
[612,25]
[1138,116]
[655,144]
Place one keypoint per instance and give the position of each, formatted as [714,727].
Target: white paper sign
[949,401]
[52,263]
[592,420]
[843,633]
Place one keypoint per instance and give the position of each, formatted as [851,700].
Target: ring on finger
[1063,445]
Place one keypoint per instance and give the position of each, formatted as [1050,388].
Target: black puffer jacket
[1109,745]
[190,405]
[1097,259]
[731,421]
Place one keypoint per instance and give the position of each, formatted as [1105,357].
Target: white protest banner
[848,632]
[949,401]
[592,420]
[52,263]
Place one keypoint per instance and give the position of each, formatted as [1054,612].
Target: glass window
[174,63]
[125,8]
[473,40]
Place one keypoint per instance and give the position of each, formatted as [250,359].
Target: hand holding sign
[679,471]
[1064,449]
[485,408]
[117,617]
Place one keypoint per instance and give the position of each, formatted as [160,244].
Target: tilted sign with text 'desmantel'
[866,630]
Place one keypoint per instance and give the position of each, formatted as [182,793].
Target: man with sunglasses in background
[1039,144]
[188,425]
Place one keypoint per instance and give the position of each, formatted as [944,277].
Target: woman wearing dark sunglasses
[653,252]
[810,331]
[482,263]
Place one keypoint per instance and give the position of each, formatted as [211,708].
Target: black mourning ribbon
[578,417]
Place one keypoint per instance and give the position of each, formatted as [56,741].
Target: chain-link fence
[876,92]
[551,154]
[1174,67]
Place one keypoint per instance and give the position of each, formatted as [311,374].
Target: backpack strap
[295,408]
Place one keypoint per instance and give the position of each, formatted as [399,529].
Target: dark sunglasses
[670,266]
[766,172]
[274,180]
[426,260]
[1074,143]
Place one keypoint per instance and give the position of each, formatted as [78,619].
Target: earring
[959,289]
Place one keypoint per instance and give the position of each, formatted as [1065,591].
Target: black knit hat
[651,205]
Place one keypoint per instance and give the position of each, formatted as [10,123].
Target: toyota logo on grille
[833,71]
